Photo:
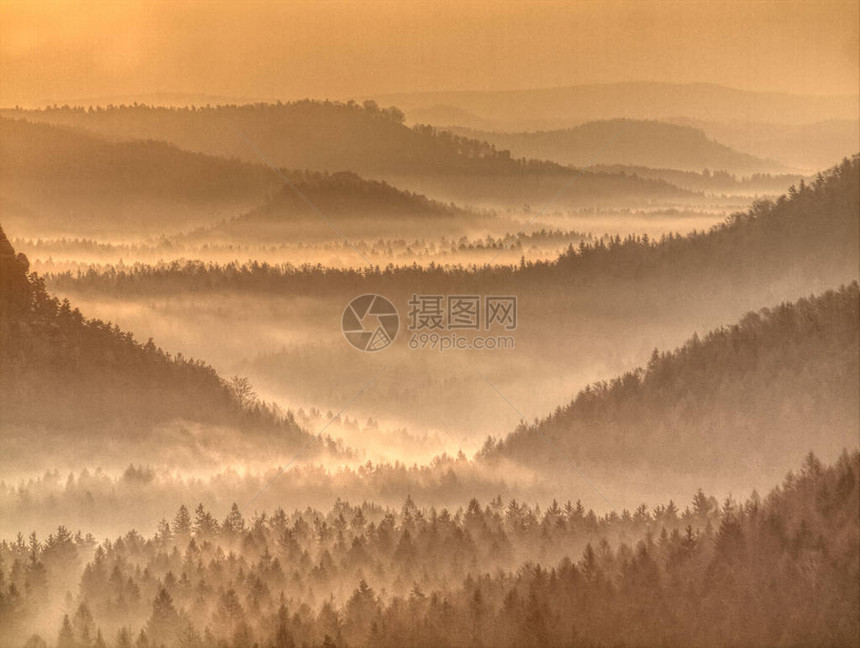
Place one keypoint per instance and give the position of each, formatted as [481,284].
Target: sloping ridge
[764,390]
[61,374]
[652,144]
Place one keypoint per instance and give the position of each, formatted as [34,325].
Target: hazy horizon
[359,49]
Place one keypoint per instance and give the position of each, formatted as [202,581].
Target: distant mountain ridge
[642,143]
[346,137]
[563,107]
[312,135]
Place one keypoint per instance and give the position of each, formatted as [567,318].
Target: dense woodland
[810,232]
[751,393]
[494,571]
[781,570]
[84,252]
[563,367]
[710,181]
[61,372]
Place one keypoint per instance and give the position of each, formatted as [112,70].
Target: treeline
[77,247]
[318,135]
[61,254]
[61,372]
[808,235]
[747,394]
[708,180]
[804,231]
[781,570]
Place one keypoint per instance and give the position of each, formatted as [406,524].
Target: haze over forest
[452,324]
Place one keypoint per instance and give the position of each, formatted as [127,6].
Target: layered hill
[320,205]
[806,237]
[313,135]
[59,179]
[750,396]
[804,146]
[86,388]
[364,139]
[72,182]
[553,108]
[643,143]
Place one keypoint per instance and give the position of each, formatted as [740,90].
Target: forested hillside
[333,136]
[61,374]
[497,573]
[590,315]
[714,182]
[353,205]
[808,235]
[645,143]
[74,182]
[754,393]
[321,136]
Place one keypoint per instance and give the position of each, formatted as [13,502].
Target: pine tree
[66,638]
[182,523]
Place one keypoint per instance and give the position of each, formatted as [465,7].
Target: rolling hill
[756,394]
[72,182]
[805,146]
[59,179]
[62,374]
[644,143]
[807,237]
[335,137]
[348,204]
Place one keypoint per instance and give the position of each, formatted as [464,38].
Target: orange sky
[64,50]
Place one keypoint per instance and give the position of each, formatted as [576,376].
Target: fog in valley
[393,356]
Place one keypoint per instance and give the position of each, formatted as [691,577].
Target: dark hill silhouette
[80,183]
[807,236]
[352,205]
[755,393]
[74,182]
[314,135]
[644,143]
[368,140]
[62,374]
